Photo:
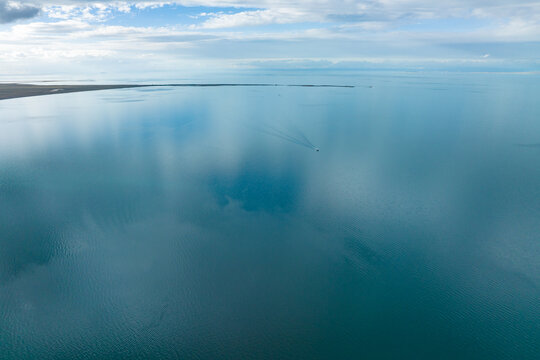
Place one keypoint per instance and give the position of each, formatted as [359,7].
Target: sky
[156,38]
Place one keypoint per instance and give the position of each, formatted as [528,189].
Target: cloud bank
[13,11]
[108,35]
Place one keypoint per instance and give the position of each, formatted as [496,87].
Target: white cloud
[256,18]
[151,5]
[97,12]
[369,9]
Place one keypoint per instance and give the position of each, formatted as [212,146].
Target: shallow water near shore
[200,223]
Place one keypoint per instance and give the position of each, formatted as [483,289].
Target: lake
[201,223]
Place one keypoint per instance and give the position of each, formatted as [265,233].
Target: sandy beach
[13,90]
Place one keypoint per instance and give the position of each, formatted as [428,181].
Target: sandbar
[16,90]
[13,90]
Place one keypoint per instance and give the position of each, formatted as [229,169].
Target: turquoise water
[200,223]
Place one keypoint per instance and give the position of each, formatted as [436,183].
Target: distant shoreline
[16,90]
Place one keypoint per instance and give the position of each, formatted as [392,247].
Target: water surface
[200,223]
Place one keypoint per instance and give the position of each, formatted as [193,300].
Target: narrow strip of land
[15,90]
[11,91]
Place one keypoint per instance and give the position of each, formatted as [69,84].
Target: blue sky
[43,37]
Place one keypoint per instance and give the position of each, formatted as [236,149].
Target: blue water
[200,223]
